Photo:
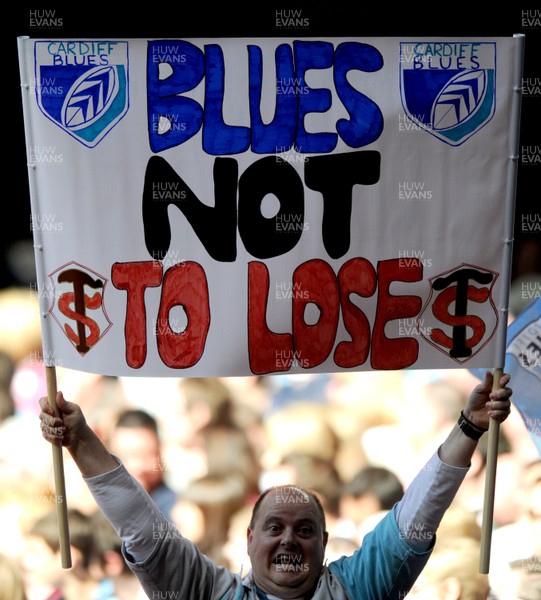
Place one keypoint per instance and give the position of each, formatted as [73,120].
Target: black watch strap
[469,429]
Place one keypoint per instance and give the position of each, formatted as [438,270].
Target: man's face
[139,449]
[286,544]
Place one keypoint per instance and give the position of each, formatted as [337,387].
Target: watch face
[468,428]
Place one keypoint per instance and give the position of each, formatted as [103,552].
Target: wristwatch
[469,429]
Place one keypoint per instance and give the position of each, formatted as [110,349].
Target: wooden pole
[494,426]
[59,480]
[490,483]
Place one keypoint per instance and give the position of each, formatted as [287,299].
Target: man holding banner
[287,535]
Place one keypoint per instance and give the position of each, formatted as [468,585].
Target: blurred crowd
[205,448]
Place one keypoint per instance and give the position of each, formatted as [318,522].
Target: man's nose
[289,539]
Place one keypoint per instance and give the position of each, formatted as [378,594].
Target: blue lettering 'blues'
[176,67]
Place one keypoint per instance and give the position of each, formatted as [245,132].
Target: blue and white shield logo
[448,88]
[82,86]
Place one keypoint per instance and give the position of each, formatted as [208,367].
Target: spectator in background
[235,550]
[404,447]
[221,432]
[189,518]
[367,497]
[219,497]
[11,580]
[459,521]
[232,472]
[135,439]
[300,428]
[7,369]
[207,401]
[319,475]
[352,409]
[23,500]
[227,449]
[525,579]
[113,570]
[471,493]
[452,572]
[338,547]
[40,560]
[7,406]
[516,547]
[20,323]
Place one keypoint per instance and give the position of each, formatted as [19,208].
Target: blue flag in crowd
[523,363]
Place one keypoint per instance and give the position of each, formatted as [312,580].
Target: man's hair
[82,534]
[382,483]
[137,418]
[310,493]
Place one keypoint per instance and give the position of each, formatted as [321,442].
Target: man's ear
[325,538]
[249,537]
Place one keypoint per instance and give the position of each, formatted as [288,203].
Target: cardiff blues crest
[448,88]
[82,86]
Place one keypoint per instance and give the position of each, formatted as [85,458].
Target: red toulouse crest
[460,316]
[78,305]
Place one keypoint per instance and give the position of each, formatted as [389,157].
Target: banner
[229,207]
